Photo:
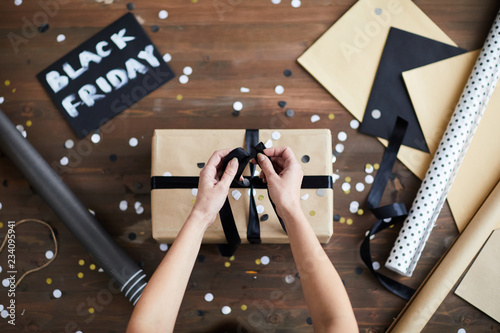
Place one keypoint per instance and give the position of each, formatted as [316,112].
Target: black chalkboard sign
[105,75]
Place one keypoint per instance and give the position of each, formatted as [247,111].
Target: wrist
[201,218]
[290,212]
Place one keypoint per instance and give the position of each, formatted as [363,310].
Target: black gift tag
[105,75]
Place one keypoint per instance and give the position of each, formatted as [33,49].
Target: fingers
[285,152]
[267,166]
[228,176]
[217,157]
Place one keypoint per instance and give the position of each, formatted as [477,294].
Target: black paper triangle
[389,98]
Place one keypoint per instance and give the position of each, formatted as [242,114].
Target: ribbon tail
[230,231]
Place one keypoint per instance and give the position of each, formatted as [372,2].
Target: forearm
[323,289]
[159,304]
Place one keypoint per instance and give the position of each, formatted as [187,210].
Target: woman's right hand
[284,178]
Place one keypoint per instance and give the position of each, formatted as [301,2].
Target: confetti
[61,38]
[80,275]
[133,142]
[314,118]
[95,138]
[4,313]
[91,310]
[209,297]
[334,159]
[265,260]
[49,254]
[369,179]
[130,6]
[261,197]
[264,217]
[194,191]
[346,187]
[183,79]
[244,307]
[349,221]
[187,70]
[7,83]
[376,114]
[305,196]
[276,2]
[29,123]
[179,97]
[257,261]
[461,330]
[167,174]
[309,320]
[312,213]
[57,293]
[360,187]
[296,3]
[320,192]
[353,208]
[279,89]
[339,147]
[123,205]
[244,90]
[376,166]
[305,159]
[289,113]
[64,161]
[226,310]
[81,262]
[289,279]
[237,106]
[227,264]
[275,135]
[331,116]
[5,282]
[368,168]
[167,57]
[44,27]
[268,143]
[92,267]
[360,211]
[342,136]
[260,209]
[155,28]
[2,100]
[231,258]
[69,144]
[236,194]
[163,247]
[354,124]
[18,2]
[163,14]
[281,104]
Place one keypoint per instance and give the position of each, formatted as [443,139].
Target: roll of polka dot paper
[448,157]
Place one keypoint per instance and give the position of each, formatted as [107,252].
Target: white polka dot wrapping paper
[430,198]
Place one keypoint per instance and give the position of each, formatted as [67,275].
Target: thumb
[229,173]
[266,165]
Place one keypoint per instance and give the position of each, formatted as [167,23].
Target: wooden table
[229,44]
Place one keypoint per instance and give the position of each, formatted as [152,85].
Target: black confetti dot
[44,27]
[309,321]
[305,159]
[130,6]
[155,28]
[201,258]
[289,113]
[287,72]
[138,185]
[140,263]
[336,217]
[358,270]
[5,183]
[132,236]
[282,104]
[264,217]
[235,113]
[113,157]
[200,313]
[200,165]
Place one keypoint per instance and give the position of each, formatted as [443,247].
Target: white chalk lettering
[88,94]
[56,81]
[148,55]
[68,105]
[120,39]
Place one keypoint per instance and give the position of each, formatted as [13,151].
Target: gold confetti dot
[193,201]
[376,166]
[342,220]
[81,262]
[231,258]
[331,116]
[347,192]
[349,221]
[360,211]
[29,123]
[391,226]
[80,275]
[92,267]
[312,213]
[257,261]
[194,1]
[348,179]
[251,272]
[49,280]
[91,310]
[179,97]
[7,83]
[244,307]
[1,225]
[14,90]
[227,264]
[260,197]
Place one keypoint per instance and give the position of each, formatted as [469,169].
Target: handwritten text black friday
[117,77]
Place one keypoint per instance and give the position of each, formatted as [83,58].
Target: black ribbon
[396,212]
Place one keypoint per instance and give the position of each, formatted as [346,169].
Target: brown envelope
[479,287]
[435,90]
[179,151]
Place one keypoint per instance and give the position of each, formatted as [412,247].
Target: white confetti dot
[57,293]
[49,254]
[167,174]
[376,114]
[276,135]
[387,220]
[2,100]
[226,310]
[163,247]
[2,307]
[276,2]
[100,270]
[194,191]
[296,3]
[334,159]
[244,90]
[187,70]
[265,260]
[24,134]
[342,136]
[354,124]
[69,144]
[376,265]
[60,38]
[183,79]
[163,14]
[346,187]
[369,179]
[260,209]
[289,278]
[339,147]
[5,282]
[20,128]
[237,106]
[236,194]
[167,57]
[137,204]
[139,210]
[320,192]
[360,187]
[133,142]
[254,192]
[209,297]
[64,161]
[4,313]
[369,168]
[305,196]
[95,138]
[335,177]
[314,118]
[1,272]
[18,2]
[354,206]
[123,205]
[268,143]
[0,209]
[461,330]
[91,212]
[279,89]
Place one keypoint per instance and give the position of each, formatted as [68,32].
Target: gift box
[179,155]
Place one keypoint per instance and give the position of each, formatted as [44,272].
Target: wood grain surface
[229,44]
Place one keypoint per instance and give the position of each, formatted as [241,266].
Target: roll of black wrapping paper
[71,211]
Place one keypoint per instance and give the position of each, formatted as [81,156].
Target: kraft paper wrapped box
[183,153]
